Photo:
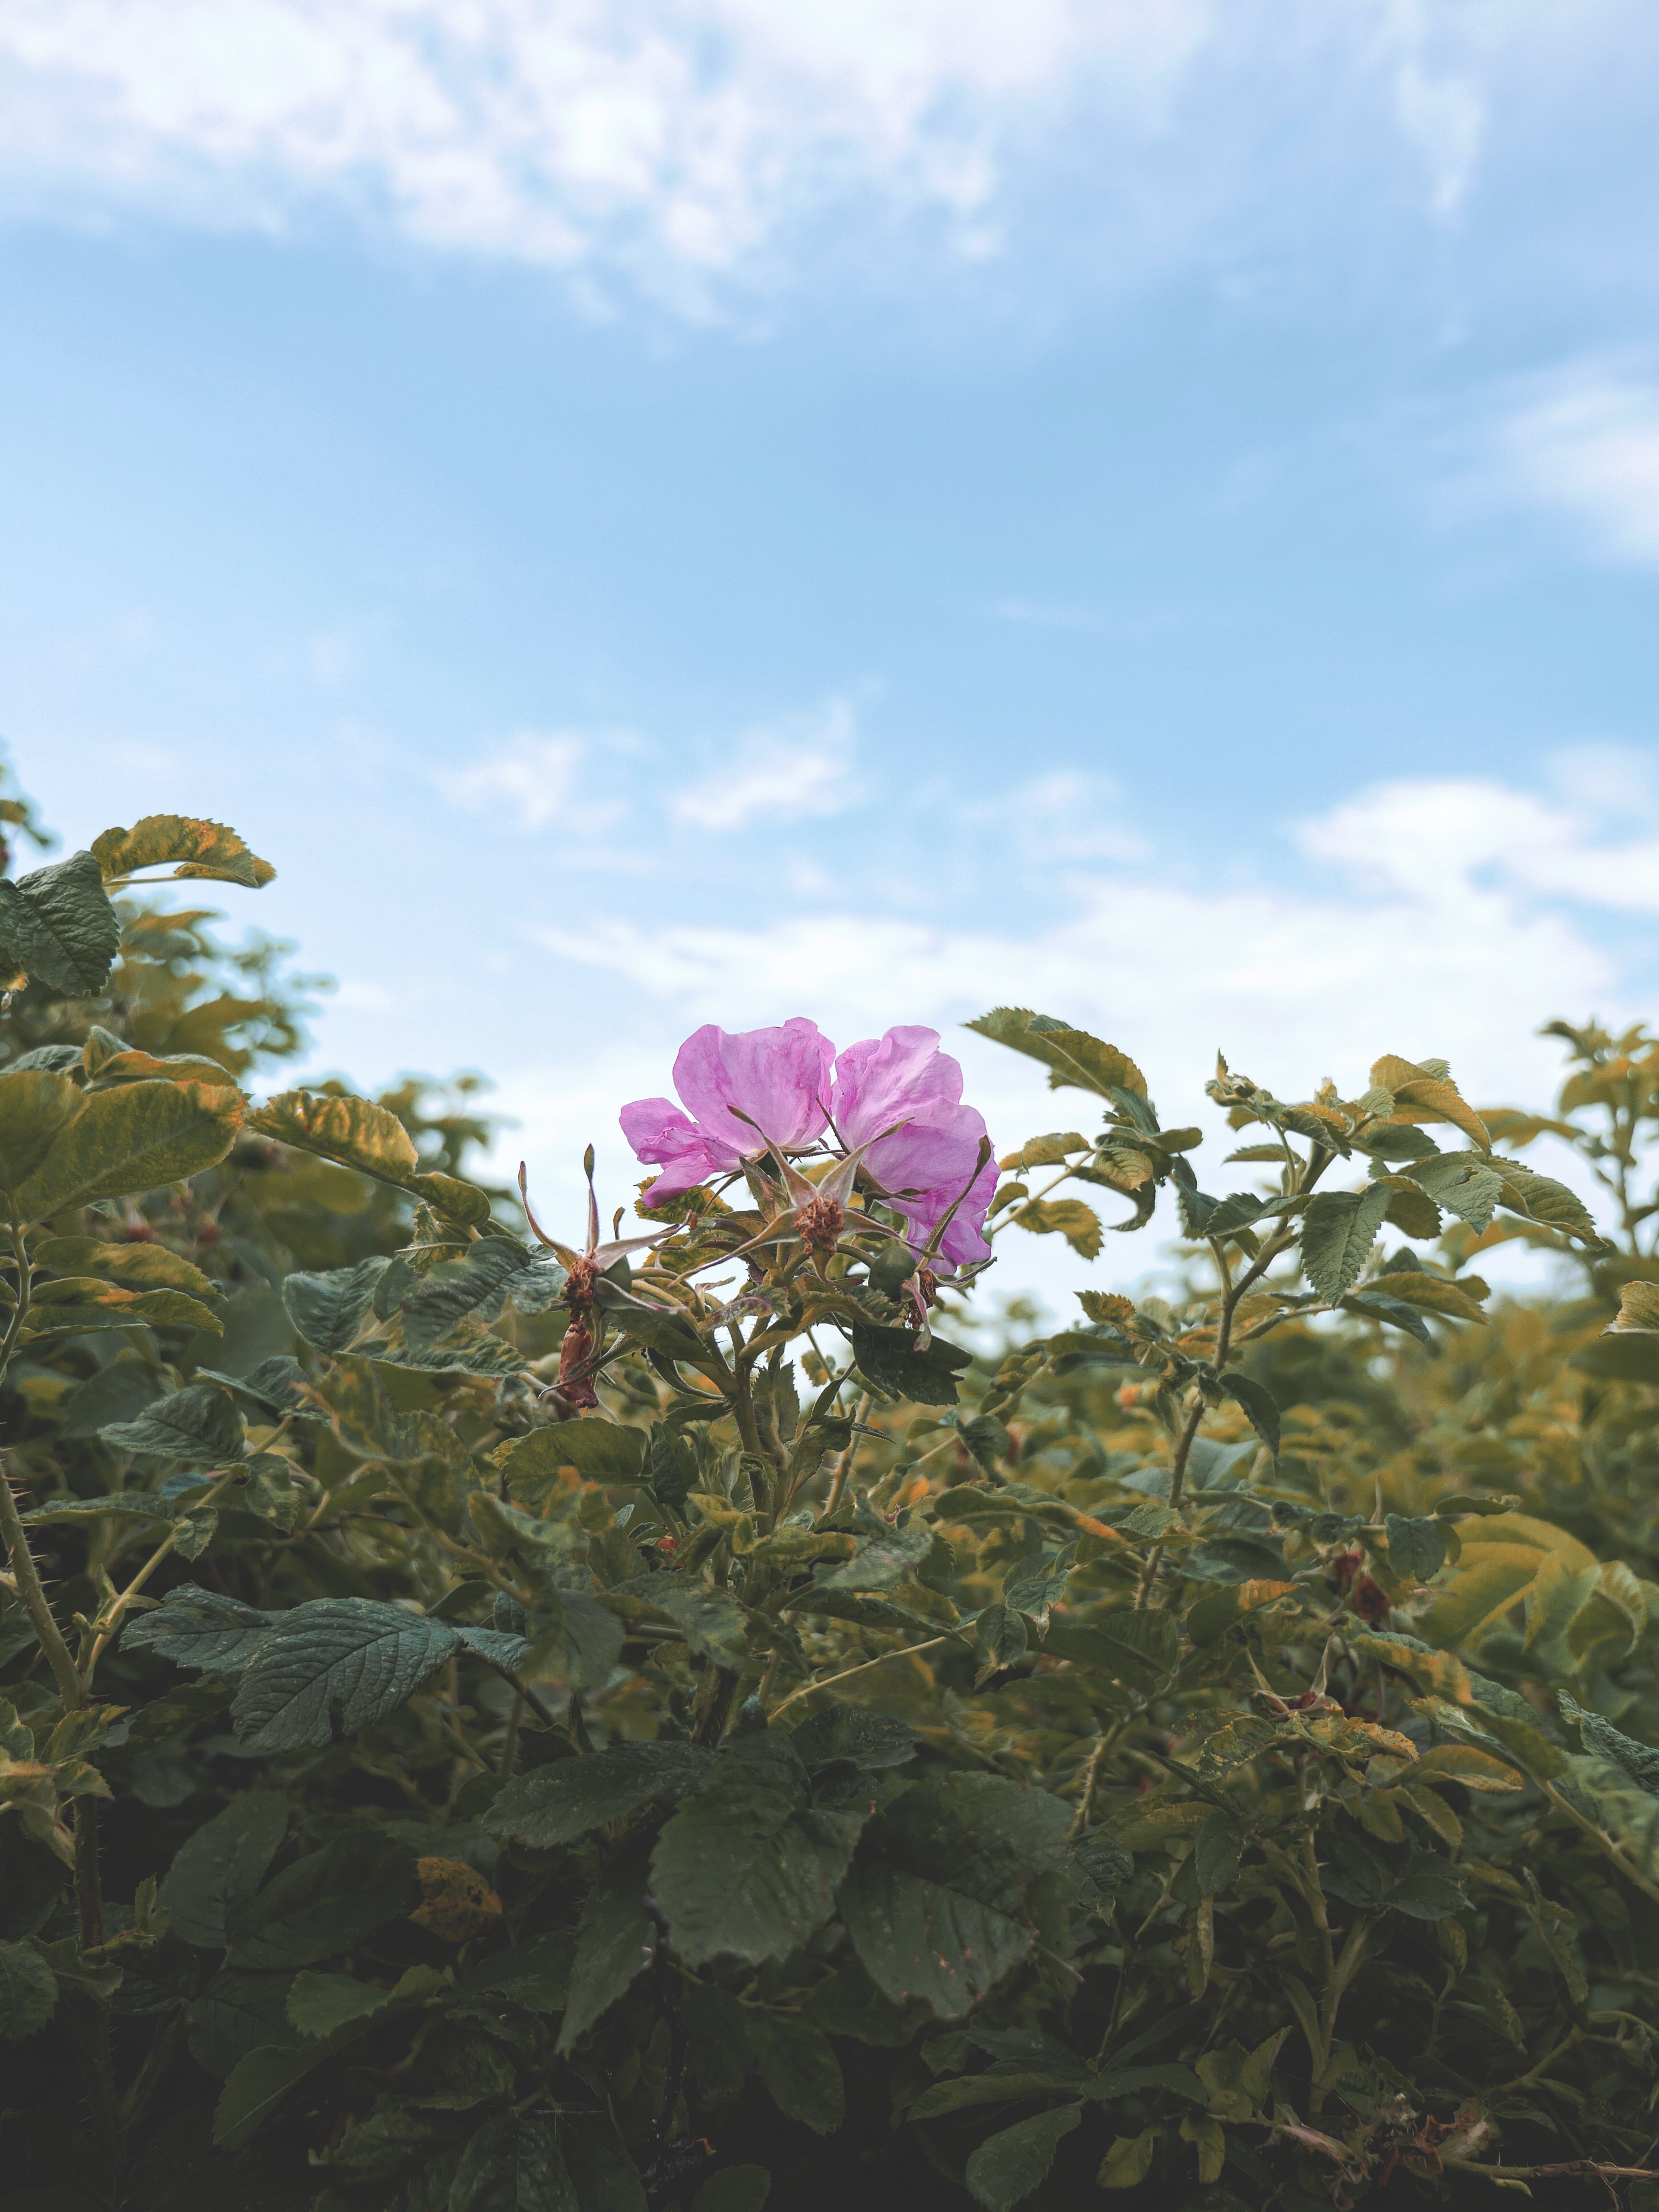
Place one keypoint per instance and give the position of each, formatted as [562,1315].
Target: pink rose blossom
[775,1076]
[923,1166]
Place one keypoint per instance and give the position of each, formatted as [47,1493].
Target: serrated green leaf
[329,1310]
[746,1869]
[889,1358]
[599,1450]
[221,1864]
[1338,1231]
[59,924]
[1417,1546]
[36,1106]
[558,1803]
[1007,2168]
[199,1425]
[799,2071]
[29,1991]
[616,1941]
[512,2165]
[326,1903]
[1073,1057]
[196,1628]
[353,1132]
[124,1263]
[336,1664]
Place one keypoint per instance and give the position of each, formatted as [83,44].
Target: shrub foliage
[1207,1753]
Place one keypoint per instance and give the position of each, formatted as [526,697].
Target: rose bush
[497,1717]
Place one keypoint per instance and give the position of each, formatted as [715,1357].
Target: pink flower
[923,1167]
[776,1077]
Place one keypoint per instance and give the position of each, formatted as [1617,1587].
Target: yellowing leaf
[1071,1055]
[1638,1306]
[200,849]
[456,1902]
[352,1131]
[130,1140]
[1430,1292]
[1079,1224]
[1502,1559]
[1420,1096]
[1475,1770]
[35,1106]
[151,1264]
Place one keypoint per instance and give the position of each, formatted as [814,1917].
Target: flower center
[820,1223]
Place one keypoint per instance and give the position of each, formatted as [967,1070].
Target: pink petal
[660,1134]
[884,1079]
[777,1076]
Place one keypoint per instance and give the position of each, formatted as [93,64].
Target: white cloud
[1582,443]
[797,769]
[682,138]
[530,782]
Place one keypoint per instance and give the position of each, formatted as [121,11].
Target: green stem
[909,1652]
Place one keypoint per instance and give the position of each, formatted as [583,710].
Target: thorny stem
[1094,1774]
[844,1464]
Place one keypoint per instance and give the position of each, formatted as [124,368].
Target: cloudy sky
[658,511]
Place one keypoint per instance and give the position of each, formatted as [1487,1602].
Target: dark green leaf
[1260,1407]
[329,1310]
[59,924]
[29,1991]
[236,2013]
[867,1741]
[1417,1546]
[599,1450]
[512,2165]
[220,1865]
[1006,2167]
[330,1667]
[883,1562]
[616,1941]
[744,1869]
[710,1620]
[199,1424]
[559,1803]
[196,1628]
[326,1903]
[734,2189]
[1639,1760]
[1216,1850]
[799,2071]
[889,1358]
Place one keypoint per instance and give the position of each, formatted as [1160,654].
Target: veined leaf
[512,2165]
[58,926]
[36,1106]
[198,1424]
[1073,1057]
[352,1131]
[329,1310]
[889,1358]
[599,1450]
[1465,1183]
[130,1140]
[745,1868]
[616,1941]
[29,1991]
[203,1628]
[1079,1224]
[221,1864]
[1338,1231]
[559,1803]
[124,1263]
[326,1903]
[195,848]
[333,1667]
[1502,1559]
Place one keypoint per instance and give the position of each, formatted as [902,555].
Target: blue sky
[660,514]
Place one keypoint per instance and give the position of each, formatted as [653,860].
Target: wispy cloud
[793,770]
[530,783]
[687,137]
[1582,443]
